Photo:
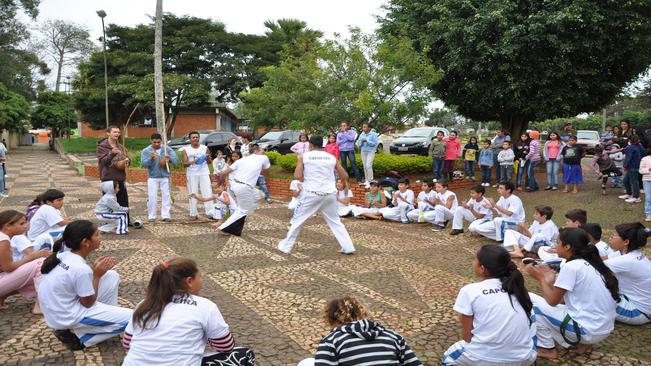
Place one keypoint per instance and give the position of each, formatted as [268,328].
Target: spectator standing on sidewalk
[634,154]
[496,145]
[437,148]
[346,142]
[113,160]
[367,143]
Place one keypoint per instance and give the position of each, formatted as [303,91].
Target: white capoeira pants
[117,221]
[443,214]
[196,184]
[628,313]
[421,213]
[455,355]
[462,214]
[247,200]
[308,205]
[104,319]
[153,185]
[492,229]
[398,213]
[550,326]
[513,238]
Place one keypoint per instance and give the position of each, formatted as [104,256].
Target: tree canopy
[517,61]
[14,110]
[54,110]
[360,79]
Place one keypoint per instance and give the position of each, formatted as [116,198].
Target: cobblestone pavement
[408,275]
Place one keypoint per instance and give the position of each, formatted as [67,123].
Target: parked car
[415,140]
[588,140]
[179,142]
[218,141]
[279,141]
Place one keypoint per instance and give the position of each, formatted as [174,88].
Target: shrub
[287,162]
[273,156]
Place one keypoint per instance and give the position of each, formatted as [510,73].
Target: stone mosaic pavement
[408,275]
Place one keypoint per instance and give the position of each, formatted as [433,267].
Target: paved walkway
[408,275]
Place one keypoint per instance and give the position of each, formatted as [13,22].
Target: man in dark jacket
[112,161]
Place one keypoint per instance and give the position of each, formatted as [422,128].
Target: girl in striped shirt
[355,340]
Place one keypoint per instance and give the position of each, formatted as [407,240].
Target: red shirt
[452,148]
[333,149]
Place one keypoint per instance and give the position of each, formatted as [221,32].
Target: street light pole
[102,14]
[69,93]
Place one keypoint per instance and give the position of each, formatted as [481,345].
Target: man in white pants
[196,158]
[508,212]
[242,176]
[316,169]
[367,143]
[156,160]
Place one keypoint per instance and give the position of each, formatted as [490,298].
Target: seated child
[344,194]
[542,232]
[472,210]
[295,187]
[403,202]
[495,314]
[80,302]
[373,203]
[605,167]
[48,218]
[633,271]
[446,203]
[575,218]
[578,307]
[21,246]
[218,166]
[425,202]
[594,231]
[33,207]
[21,275]
[109,210]
[354,337]
[507,213]
[223,202]
[172,305]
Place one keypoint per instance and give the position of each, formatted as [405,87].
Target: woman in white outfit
[578,305]
[77,298]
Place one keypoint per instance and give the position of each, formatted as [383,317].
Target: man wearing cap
[316,169]
[242,176]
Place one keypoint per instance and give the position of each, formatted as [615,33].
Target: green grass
[89,144]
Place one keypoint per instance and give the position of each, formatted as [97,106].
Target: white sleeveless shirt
[319,172]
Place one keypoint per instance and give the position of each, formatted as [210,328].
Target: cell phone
[531,261]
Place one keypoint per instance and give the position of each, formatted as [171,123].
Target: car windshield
[417,132]
[587,135]
[270,136]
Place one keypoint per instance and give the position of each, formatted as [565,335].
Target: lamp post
[102,14]
[69,93]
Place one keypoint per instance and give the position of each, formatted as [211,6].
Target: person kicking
[316,169]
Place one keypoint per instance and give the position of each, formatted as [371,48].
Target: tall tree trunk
[59,68]
[515,127]
[158,72]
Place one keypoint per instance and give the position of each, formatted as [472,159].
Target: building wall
[186,123]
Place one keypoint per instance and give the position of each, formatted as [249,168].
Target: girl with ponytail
[495,314]
[173,323]
[20,276]
[578,305]
[633,271]
[79,301]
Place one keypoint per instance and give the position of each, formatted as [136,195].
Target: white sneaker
[367,185]
[624,196]
[633,200]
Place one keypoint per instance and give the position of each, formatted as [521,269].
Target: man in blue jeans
[346,143]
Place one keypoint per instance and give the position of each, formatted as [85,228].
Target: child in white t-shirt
[507,213]
[177,333]
[633,271]
[425,202]
[495,314]
[218,166]
[403,202]
[446,203]
[295,187]
[79,301]
[344,194]
[578,305]
[48,217]
[542,232]
[21,246]
[223,202]
[594,232]
[473,210]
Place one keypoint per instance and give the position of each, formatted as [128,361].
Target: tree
[14,110]
[358,80]
[517,61]
[65,43]
[54,110]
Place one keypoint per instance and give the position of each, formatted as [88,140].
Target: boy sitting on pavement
[542,232]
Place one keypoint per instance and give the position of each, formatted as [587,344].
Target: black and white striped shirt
[364,342]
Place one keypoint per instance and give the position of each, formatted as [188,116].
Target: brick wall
[278,188]
[186,123]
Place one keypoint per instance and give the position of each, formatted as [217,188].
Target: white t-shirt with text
[319,172]
[633,271]
[199,156]
[247,170]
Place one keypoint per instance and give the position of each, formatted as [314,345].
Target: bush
[287,162]
[273,156]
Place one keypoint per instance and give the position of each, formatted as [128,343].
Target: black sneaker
[69,339]
[438,228]
[456,231]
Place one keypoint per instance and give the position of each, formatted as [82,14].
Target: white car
[588,140]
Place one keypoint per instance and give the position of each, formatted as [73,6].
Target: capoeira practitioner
[508,212]
[243,175]
[316,169]
[472,210]
[446,204]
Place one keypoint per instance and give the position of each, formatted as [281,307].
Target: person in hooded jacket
[109,210]
[356,340]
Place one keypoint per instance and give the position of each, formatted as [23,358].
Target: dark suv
[279,141]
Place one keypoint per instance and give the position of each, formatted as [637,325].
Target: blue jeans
[530,166]
[647,198]
[437,168]
[470,168]
[496,164]
[350,155]
[506,173]
[552,172]
[632,183]
[263,186]
[486,174]
[522,166]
